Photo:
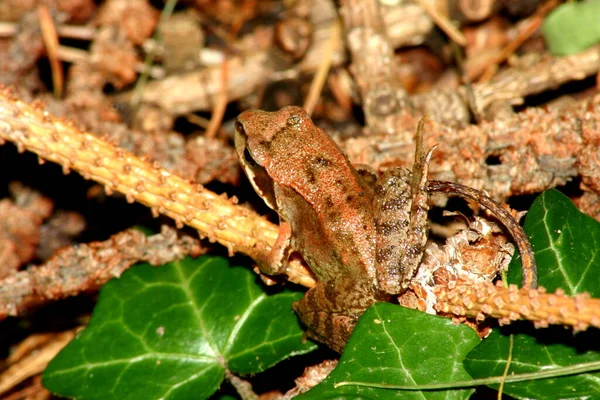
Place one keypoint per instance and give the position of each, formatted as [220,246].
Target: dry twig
[87,267]
[35,361]
[537,149]
[215,217]
[237,228]
[488,300]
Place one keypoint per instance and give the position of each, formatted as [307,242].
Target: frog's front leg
[331,310]
[275,262]
[400,209]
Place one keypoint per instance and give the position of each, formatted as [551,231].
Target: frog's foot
[418,227]
[275,262]
[421,166]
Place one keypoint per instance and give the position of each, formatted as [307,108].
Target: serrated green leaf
[397,345]
[565,242]
[169,333]
[572,27]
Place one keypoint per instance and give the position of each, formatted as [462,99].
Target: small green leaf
[565,242]
[170,332]
[397,345]
[572,27]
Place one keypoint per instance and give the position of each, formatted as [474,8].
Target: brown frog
[363,236]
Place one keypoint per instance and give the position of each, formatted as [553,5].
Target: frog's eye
[249,159]
[239,128]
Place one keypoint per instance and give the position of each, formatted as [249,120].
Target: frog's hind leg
[331,329]
[331,311]
[400,209]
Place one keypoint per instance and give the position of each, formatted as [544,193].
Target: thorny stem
[56,140]
[484,299]
[86,267]
[213,216]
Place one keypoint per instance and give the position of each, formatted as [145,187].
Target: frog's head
[264,142]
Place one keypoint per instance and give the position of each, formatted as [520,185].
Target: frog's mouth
[263,185]
[257,175]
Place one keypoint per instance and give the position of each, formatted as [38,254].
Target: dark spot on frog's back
[333,214]
[380,190]
[329,201]
[384,254]
[396,203]
[388,228]
[310,176]
[322,162]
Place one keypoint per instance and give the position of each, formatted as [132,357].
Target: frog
[361,232]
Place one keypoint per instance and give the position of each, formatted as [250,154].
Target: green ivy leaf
[565,242]
[572,27]
[397,345]
[170,332]
[536,350]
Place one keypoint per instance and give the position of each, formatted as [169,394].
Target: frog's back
[327,206]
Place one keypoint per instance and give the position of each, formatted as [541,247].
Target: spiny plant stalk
[485,299]
[31,128]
